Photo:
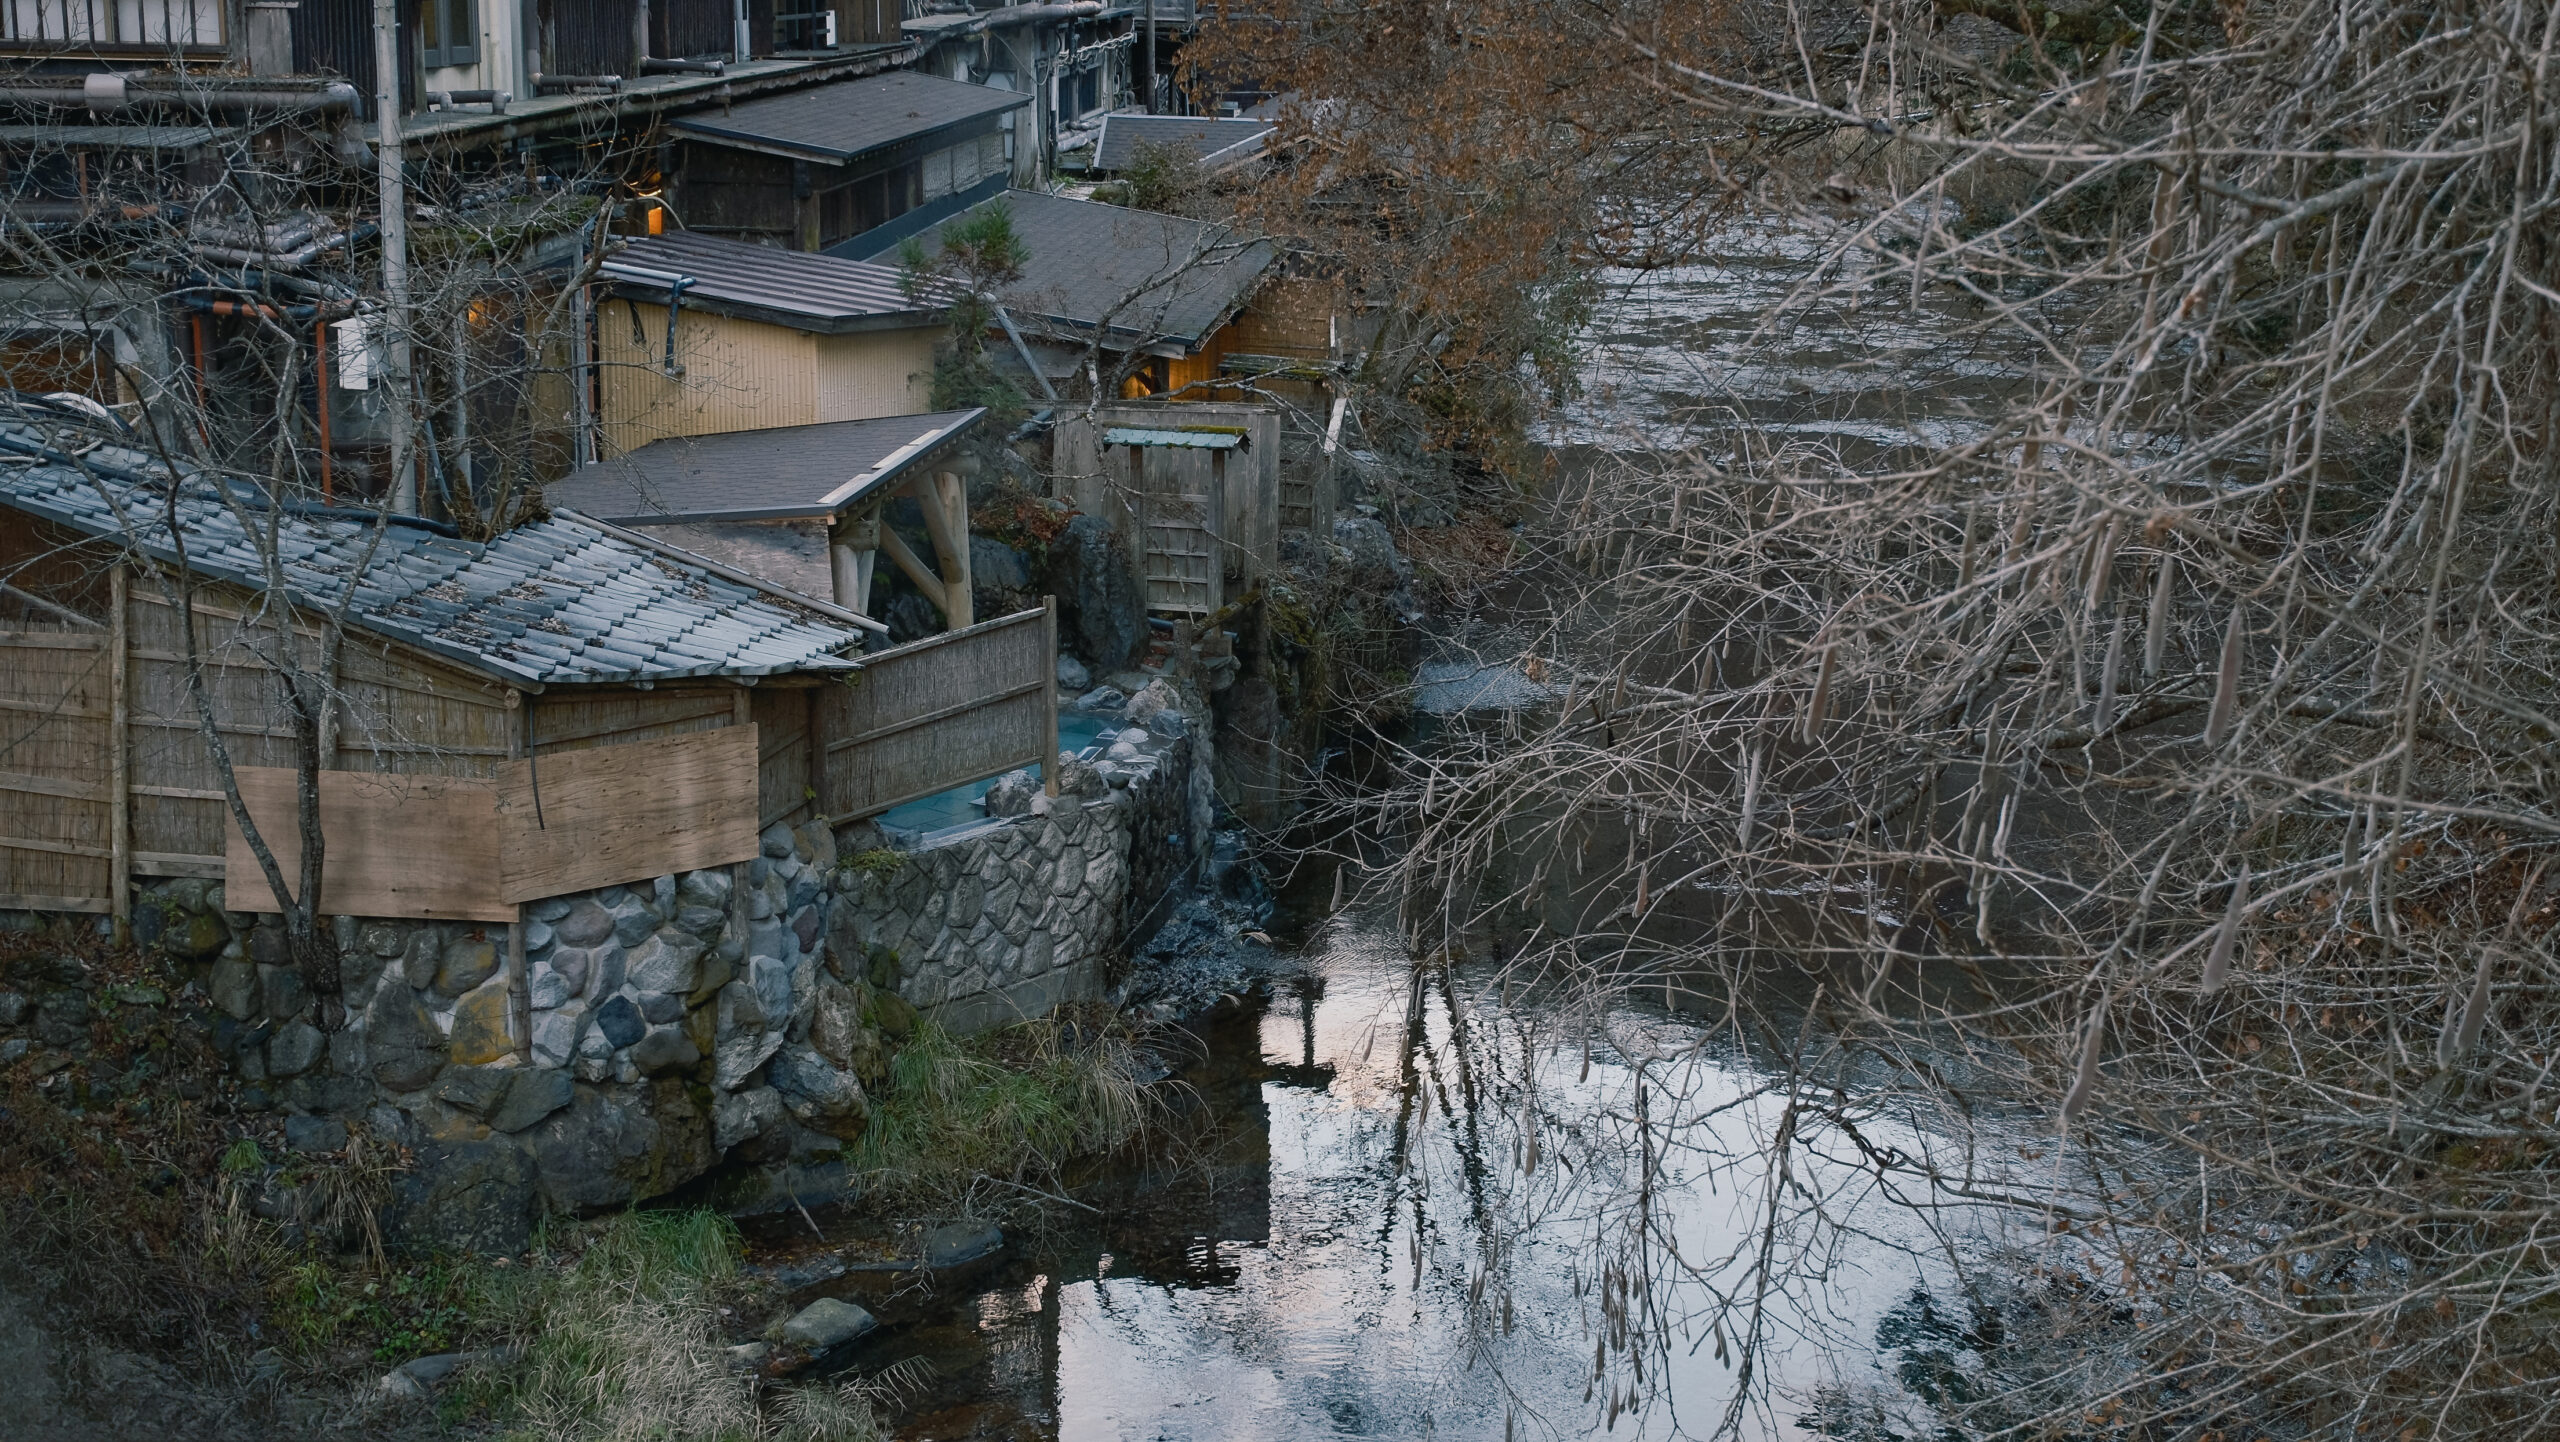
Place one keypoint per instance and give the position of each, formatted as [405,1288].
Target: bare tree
[2149,763]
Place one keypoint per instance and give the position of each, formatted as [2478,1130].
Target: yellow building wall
[738,376]
[875,373]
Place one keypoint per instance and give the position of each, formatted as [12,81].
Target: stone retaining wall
[738,1012]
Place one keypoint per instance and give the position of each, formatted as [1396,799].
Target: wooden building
[1164,290]
[761,338]
[467,668]
[850,168]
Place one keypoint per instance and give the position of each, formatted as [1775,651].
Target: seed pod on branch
[2226,686]
[2092,1041]
[2155,640]
[2104,717]
[2217,962]
[1814,709]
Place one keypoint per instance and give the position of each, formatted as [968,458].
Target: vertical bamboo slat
[1049,648]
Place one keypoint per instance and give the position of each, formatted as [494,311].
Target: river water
[1368,1243]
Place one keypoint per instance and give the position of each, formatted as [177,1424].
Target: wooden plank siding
[1157,498]
[744,375]
[611,814]
[939,713]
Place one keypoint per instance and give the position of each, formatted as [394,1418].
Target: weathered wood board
[599,817]
[399,845]
[939,713]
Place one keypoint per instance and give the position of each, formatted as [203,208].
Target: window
[448,33]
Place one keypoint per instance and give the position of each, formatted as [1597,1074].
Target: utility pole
[403,489]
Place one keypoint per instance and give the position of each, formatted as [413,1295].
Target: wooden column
[955,567]
[852,546]
[119,751]
[1049,690]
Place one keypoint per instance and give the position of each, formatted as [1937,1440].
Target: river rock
[708,887]
[824,1323]
[532,1094]
[739,1054]
[234,987]
[474,1089]
[592,1152]
[281,992]
[956,1244]
[556,1033]
[620,1023]
[465,964]
[295,1049]
[548,989]
[664,962]
[1158,695]
[315,1134]
[1072,675]
[824,1098]
[479,1033]
[665,1048]
[742,1116]
[585,925]
[401,1038]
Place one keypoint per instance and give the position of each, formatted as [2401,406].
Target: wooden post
[1049,691]
[955,565]
[742,712]
[119,748]
[519,986]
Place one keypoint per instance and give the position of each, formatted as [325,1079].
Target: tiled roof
[806,292]
[1212,141]
[779,473]
[839,122]
[1152,280]
[557,602]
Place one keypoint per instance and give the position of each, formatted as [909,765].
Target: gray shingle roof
[1149,279]
[819,293]
[1211,141]
[837,122]
[557,602]
[781,473]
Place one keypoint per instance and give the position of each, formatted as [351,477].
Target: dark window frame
[439,47]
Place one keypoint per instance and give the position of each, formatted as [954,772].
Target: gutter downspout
[675,307]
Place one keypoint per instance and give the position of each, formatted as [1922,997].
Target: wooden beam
[956,581]
[119,746]
[943,713]
[925,580]
[743,716]
[20,781]
[20,901]
[180,863]
[1049,649]
[519,987]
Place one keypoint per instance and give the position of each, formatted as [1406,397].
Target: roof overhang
[857,489]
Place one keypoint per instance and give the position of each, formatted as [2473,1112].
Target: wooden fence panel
[939,713]
[784,775]
[55,843]
[408,846]
[612,814]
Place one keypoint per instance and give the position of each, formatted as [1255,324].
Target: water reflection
[1422,1214]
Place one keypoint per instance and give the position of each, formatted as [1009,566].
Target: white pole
[403,489]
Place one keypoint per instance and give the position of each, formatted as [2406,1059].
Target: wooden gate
[1175,498]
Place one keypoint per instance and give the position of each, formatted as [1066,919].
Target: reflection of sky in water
[1324,1332]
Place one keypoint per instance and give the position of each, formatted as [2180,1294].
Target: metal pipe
[106,94]
[496,100]
[675,302]
[658,65]
[576,82]
[320,405]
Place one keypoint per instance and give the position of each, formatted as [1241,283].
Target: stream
[1425,1194]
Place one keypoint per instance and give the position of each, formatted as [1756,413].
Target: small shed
[698,336]
[798,506]
[1192,488]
